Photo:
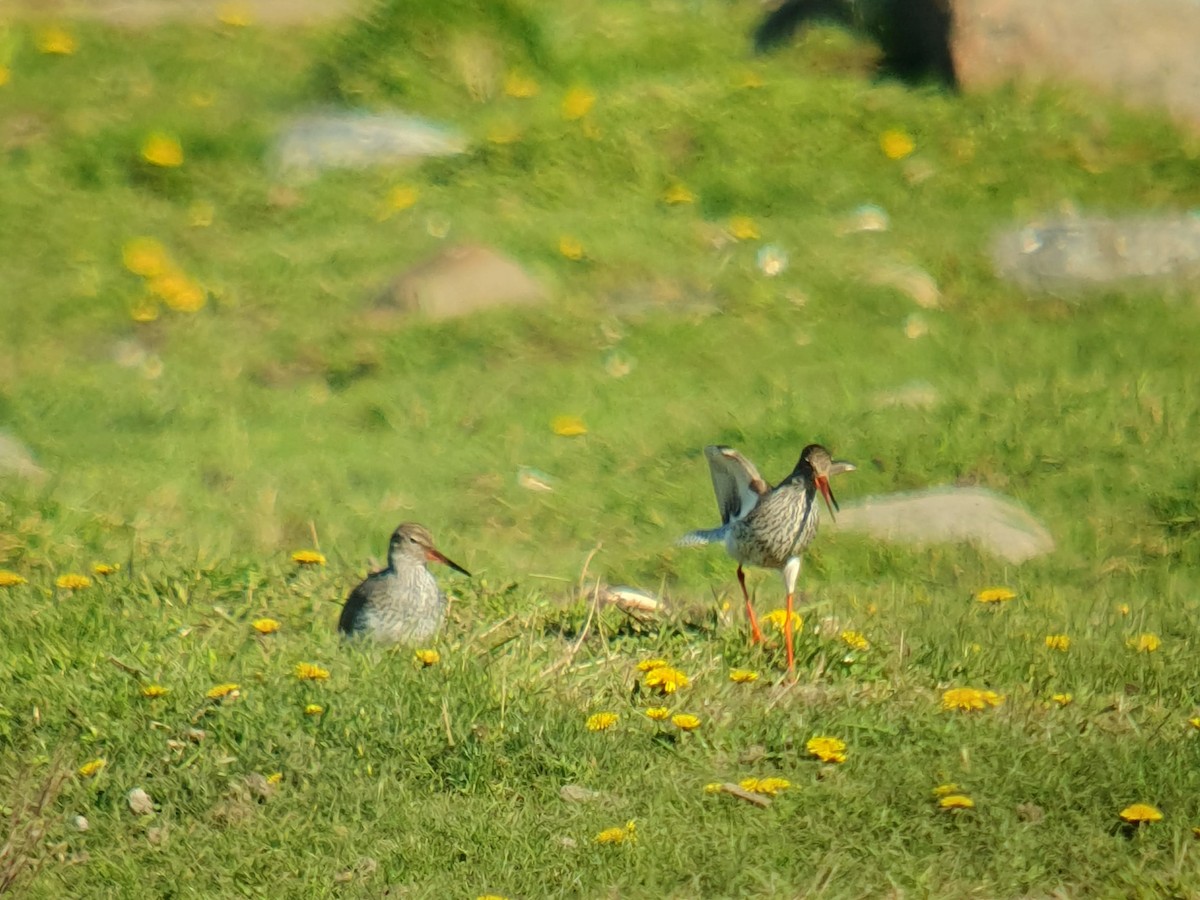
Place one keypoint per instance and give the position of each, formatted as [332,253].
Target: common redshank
[402,603]
[768,526]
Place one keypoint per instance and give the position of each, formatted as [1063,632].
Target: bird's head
[413,542]
[819,466]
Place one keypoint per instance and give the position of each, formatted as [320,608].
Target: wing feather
[736,482]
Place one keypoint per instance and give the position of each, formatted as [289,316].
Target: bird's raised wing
[736,482]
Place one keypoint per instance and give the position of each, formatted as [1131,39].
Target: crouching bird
[768,526]
[402,603]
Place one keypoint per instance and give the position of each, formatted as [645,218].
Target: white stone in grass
[16,460]
[139,802]
[80,823]
[996,524]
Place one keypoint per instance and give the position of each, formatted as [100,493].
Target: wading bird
[768,526]
[402,603]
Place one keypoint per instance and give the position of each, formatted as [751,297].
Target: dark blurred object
[1142,51]
[913,34]
[1068,255]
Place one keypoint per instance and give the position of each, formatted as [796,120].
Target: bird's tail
[704,536]
[787,18]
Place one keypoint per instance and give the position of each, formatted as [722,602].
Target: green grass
[228,438]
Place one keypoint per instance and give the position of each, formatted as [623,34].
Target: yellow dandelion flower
[1145,643]
[427,657]
[827,749]
[519,85]
[88,769]
[73,582]
[308,558]
[1194,721]
[970,699]
[647,665]
[103,569]
[772,786]
[896,144]
[275,778]
[1141,812]
[685,721]
[570,247]
[677,194]
[11,579]
[314,709]
[1123,608]
[154,691]
[311,672]
[601,721]
[855,641]
[777,618]
[1062,699]
[666,679]
[577,103]
[178,291]
[742,676]
[265,626]
[56,41]
[628,834]
[146,257]
[714,787]
[568,426]
[402,197]
[162,150]
[234,15]
[767,786]
[742,228]
[956,801]
[221,691]
[661,713]
[995,595]
[1059,642]
[943,790]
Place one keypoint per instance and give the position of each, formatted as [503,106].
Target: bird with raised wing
[768,526]
[402,603]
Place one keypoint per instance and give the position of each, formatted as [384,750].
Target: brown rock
[459,280]
[1143,51]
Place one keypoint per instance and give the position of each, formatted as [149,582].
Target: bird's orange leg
[755,634]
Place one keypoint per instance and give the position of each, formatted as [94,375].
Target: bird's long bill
[439,556]
[830,501]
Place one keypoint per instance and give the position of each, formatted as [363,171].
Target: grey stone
[355,140]
[461,280]
[139,802]
[950,515]
[1142,51]
[17,461]
[1073,254]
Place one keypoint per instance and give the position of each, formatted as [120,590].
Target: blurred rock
[139,802]
[912,281]
[632,600]
[17,461]
[459,280]
[577,793]
[354,140]
[1078,253]
[1142,51]
[950,515]
[867,217]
